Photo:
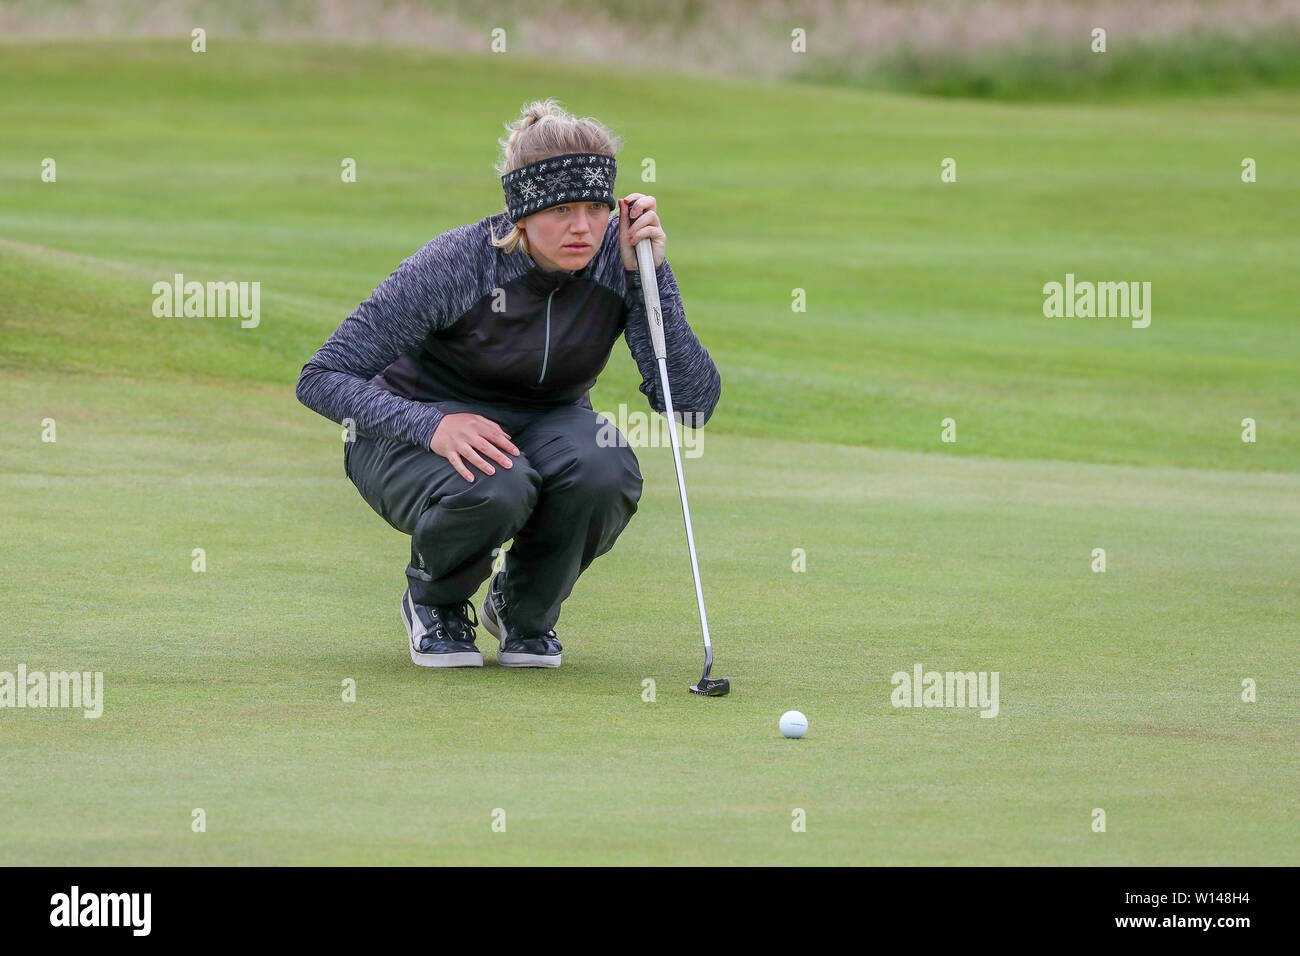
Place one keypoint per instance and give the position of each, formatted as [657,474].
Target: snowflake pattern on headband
[557,180]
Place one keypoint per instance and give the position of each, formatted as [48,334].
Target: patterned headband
[560,179]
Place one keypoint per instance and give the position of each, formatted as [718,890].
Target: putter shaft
[654,318]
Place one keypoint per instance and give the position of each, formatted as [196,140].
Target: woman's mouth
[578,247]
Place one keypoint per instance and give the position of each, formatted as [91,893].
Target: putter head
[712,687]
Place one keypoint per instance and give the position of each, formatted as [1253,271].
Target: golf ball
[793,724]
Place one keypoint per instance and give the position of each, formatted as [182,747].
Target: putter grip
[654,317]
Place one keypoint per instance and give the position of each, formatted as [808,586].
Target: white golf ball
[793,724]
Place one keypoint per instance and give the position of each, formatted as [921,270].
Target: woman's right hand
[461,436]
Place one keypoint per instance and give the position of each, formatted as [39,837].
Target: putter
[708,686]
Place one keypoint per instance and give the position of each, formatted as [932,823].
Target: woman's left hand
[637,220]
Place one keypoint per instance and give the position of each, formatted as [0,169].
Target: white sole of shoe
[459,659]
[489,619]
[528,660]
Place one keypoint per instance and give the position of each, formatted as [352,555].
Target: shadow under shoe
[441,636]
[515,649]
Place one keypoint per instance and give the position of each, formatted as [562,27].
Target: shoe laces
[455,621]
[501,594]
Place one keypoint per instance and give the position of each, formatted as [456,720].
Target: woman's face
[555,234]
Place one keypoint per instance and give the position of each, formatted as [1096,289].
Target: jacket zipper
[546,351]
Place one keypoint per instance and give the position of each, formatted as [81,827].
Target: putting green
[223,689]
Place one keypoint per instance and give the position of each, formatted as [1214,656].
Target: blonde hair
[545,129]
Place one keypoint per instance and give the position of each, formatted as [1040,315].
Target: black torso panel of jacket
[537,341]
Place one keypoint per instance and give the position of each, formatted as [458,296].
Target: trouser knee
[612,477]
[506,497]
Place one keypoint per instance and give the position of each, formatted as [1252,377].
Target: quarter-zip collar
[543,281]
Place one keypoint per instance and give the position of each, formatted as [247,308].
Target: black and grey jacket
[461,320]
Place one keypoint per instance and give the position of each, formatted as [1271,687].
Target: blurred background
[1010,49]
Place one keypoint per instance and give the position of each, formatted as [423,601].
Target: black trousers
[565,501]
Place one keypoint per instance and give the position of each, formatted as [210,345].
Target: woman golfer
[465,377]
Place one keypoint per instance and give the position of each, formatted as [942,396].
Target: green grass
[1118,690]
[1042,67]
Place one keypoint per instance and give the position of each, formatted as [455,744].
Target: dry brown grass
[720,36]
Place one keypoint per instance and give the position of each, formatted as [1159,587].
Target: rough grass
[1004,49]
[1049,68]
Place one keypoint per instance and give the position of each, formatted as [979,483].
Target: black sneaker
[515,649]
[441,636]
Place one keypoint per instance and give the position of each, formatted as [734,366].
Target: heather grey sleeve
[692,376]
[417,299]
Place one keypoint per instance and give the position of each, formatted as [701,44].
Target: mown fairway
[1119,691]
